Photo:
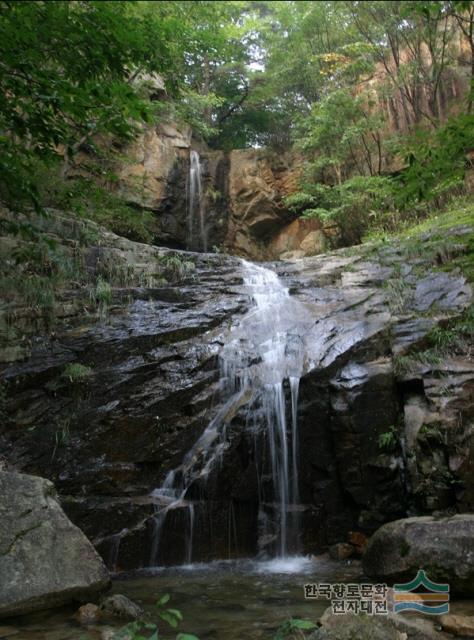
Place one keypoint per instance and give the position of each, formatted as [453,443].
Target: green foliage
[443,339]
[77,78]
[300,45]
[142,630]
[298,201]
[95,199]
[399,294]
[33,271]
[175,267]
[355,206]
[388,439]
[436,162]
[325,215]
[192,108]
[406,364]
[217,39]
[294,628]
[367,205]
[67,77]
[431,432]
[76,372]
[342,134]
[456,336]
[340,129]
[61,435]
[101,295]
[212,194]
[365,202]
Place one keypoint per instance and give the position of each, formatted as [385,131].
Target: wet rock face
[108,439]
[377,442]
[45,560]
[441,546]
[346,402]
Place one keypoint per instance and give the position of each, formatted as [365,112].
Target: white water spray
[266,350]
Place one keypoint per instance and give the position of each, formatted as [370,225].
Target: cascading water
[262,356]
[197,236]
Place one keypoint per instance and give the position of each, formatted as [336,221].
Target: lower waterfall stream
[263,351]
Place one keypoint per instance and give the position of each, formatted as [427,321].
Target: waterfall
[197,235]
[263,357]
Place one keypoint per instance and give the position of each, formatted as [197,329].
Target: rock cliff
[242,195]
[385,419]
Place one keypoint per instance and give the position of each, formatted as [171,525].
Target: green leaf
[299,623]
[175,612]
[169,618]
[163,600]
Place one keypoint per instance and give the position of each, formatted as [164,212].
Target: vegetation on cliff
[360,89]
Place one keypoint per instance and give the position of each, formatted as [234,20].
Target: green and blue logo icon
[433,599]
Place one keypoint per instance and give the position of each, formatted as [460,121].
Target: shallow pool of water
[228,600]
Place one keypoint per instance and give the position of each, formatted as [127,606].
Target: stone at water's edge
[458,625]
[444,547]
[45,560]
[376,627]
[341,551]
[121,606]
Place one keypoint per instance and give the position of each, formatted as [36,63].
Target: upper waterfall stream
[260,367]
[197,235]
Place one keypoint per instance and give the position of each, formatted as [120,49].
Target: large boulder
[45,560]
[444,547]
[302,235]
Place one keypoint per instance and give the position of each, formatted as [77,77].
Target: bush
[436,162]
[76,372]
[95,198]
[102,296]
[435,169]
[357,205]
